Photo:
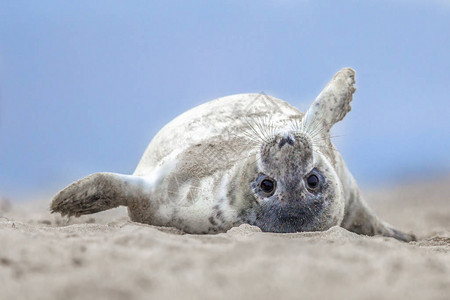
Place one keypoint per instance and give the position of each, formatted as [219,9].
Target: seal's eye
[268,186]
[312,182]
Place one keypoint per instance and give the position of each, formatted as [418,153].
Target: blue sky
[85,85]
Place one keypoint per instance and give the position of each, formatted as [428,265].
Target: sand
[105,256]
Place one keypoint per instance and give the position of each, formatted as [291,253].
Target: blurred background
[85,85]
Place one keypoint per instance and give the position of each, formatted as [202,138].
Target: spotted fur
[202,172]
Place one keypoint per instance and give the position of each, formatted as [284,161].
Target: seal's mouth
[293,217]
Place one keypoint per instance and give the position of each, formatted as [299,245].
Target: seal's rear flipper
[99,192]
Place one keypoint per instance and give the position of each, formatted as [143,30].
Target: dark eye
[313,182]
[268,186]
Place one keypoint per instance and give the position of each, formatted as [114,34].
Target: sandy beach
[105,256]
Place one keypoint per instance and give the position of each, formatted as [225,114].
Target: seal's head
[295,186]
[295,182]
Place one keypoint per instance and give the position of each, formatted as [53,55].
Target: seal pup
[247,158]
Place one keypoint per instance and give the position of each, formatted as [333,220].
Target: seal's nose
[288,139]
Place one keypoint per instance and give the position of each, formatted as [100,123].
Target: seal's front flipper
[359,218]
[332,104]
[99,192]
[330,107]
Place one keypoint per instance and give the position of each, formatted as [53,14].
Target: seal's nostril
[286,140]
[290,140]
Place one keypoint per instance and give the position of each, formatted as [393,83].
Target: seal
[242,159]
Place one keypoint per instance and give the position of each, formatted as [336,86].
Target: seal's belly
[212,127]
[206,143]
